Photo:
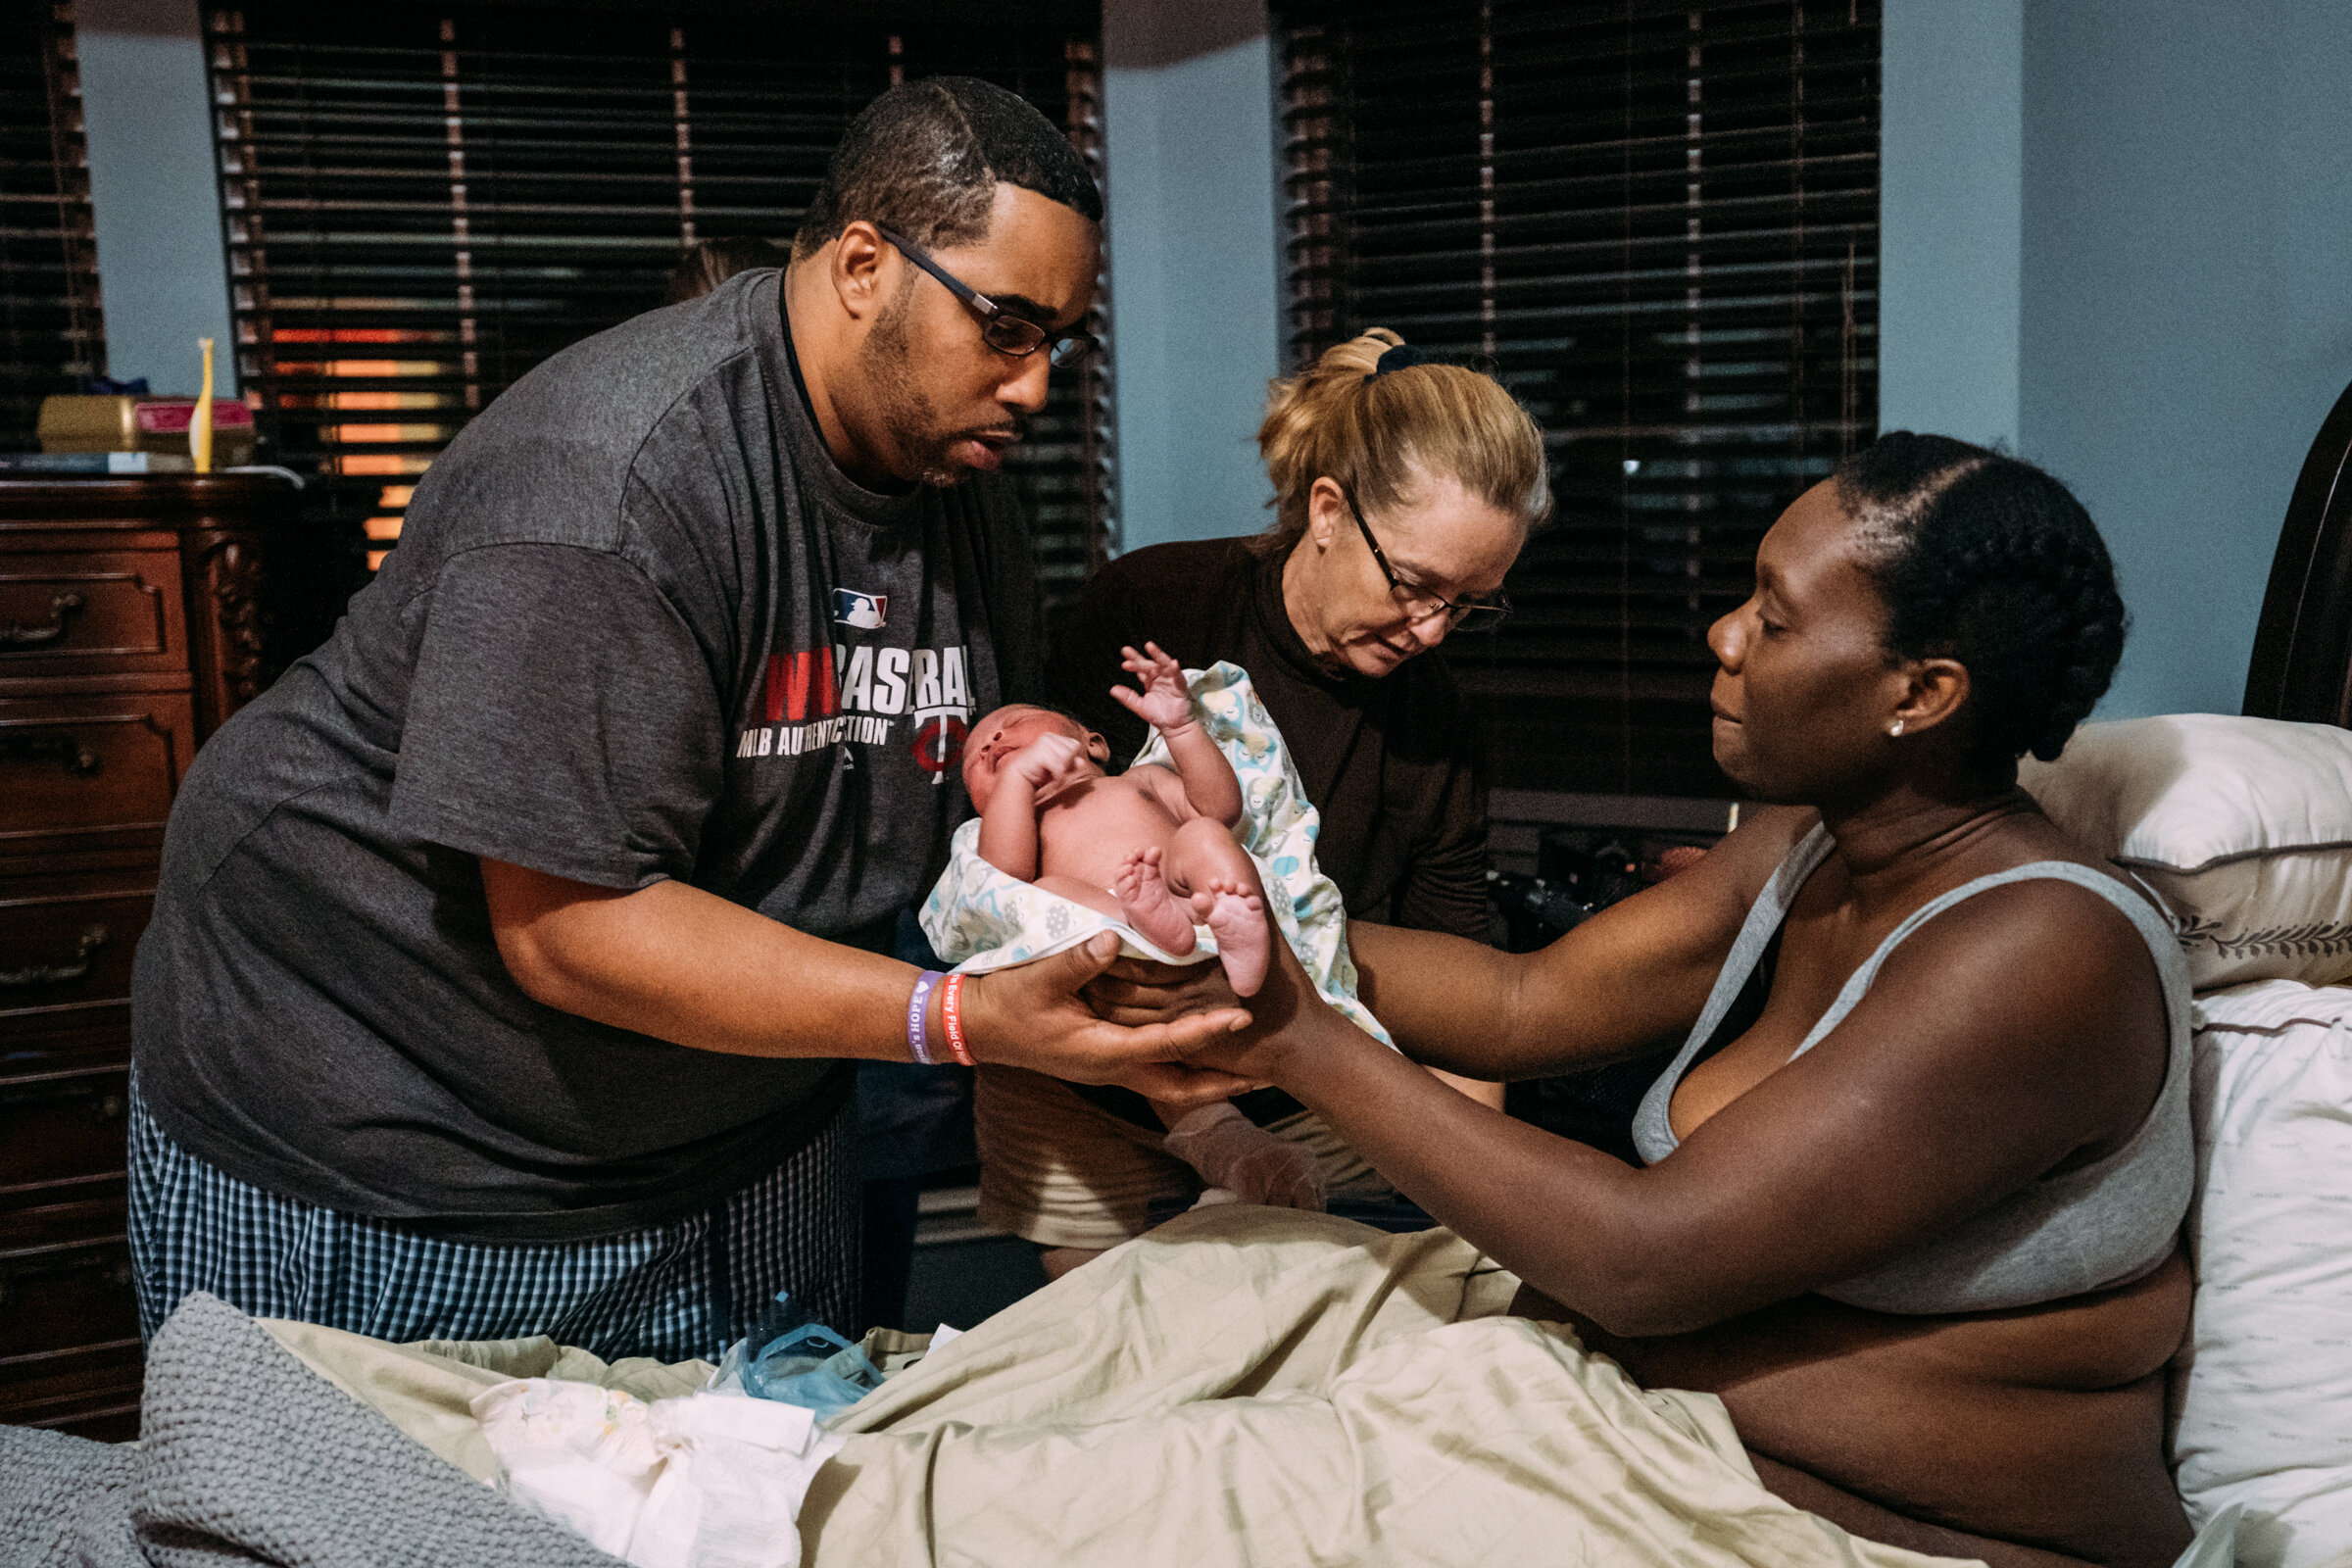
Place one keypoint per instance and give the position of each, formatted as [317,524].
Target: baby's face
[999,736]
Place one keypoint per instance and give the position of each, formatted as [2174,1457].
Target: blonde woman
[1403,490]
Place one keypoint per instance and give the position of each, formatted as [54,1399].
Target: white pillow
[2263,1402]
[2241,827]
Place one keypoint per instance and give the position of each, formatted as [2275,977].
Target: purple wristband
[918,1007]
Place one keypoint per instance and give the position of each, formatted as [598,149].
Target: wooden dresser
[135,618]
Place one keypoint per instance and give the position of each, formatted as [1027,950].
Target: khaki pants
[1062,1171]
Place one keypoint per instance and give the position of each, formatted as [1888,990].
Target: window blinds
[50,334]
[1657,224]
[423,202]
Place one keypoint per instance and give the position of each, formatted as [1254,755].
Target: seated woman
[1913,1188]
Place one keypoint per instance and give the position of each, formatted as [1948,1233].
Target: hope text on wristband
[918,1009]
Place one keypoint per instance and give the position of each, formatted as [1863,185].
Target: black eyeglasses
[1000,328]
[1472,613]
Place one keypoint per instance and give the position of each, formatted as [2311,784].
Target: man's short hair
[925,159]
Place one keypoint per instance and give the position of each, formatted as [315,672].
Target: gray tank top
[2083,1230]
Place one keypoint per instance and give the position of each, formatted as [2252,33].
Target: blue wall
[2118,233]
[1950,216]
[1189,140]
[2187,300]
[153,194]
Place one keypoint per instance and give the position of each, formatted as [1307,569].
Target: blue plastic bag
[797,1360]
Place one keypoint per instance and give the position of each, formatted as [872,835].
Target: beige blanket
[1245,1386]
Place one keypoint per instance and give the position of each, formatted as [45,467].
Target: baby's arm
[1163,703]
[1009,823]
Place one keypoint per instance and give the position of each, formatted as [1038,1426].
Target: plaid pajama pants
[685,1288]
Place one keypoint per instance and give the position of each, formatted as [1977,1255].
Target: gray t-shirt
[639,626]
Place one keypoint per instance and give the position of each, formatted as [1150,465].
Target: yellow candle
[200,426]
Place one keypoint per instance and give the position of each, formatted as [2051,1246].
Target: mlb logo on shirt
[865,612]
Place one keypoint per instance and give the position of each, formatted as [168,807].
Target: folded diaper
[979,919]
[699,1481]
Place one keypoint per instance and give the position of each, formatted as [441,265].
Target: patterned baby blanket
[979,919]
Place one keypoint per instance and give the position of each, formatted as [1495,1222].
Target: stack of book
[82,434]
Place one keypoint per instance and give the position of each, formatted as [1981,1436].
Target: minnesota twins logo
[939,743]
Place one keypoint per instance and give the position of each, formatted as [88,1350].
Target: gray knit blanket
[245,1455]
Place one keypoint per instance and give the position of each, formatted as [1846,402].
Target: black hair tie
[1400,357]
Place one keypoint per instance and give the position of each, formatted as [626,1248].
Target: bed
[2240,1412]
[2263,1393]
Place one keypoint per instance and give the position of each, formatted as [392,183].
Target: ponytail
[1379,436]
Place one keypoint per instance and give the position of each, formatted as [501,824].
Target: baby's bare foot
[1144,903]
[1237,917]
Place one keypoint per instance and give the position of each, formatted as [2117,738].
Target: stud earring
[1895,728]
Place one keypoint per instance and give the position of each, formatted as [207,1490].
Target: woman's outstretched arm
[2013,1034]
[1627,980]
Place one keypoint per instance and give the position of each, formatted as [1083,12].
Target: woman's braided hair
[1989,560]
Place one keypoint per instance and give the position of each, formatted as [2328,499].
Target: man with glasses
[508,951]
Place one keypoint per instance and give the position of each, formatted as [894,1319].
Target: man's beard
[902,404]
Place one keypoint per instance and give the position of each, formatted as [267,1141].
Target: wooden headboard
[2302,667]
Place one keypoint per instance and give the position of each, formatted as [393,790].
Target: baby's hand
[1164,702]
[1049,763]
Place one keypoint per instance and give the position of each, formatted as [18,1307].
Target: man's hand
[1134,992]
[1033,1015]
[1164,702]
[1049,765]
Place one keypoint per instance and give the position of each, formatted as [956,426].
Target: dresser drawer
[66,945]
[73,1042]
[64,1132]
[98,611]
[65,1295]
[79,773]
[71,1359]
[91,1390]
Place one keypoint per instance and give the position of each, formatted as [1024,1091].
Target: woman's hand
[1135,992]
[1286,1012]
[1246,1160]
[1035,1015]
[1289,1022]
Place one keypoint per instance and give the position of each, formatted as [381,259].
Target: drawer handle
[64,605]
[41,747]
[53,974]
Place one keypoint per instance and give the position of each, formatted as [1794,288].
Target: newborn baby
[1154,847]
